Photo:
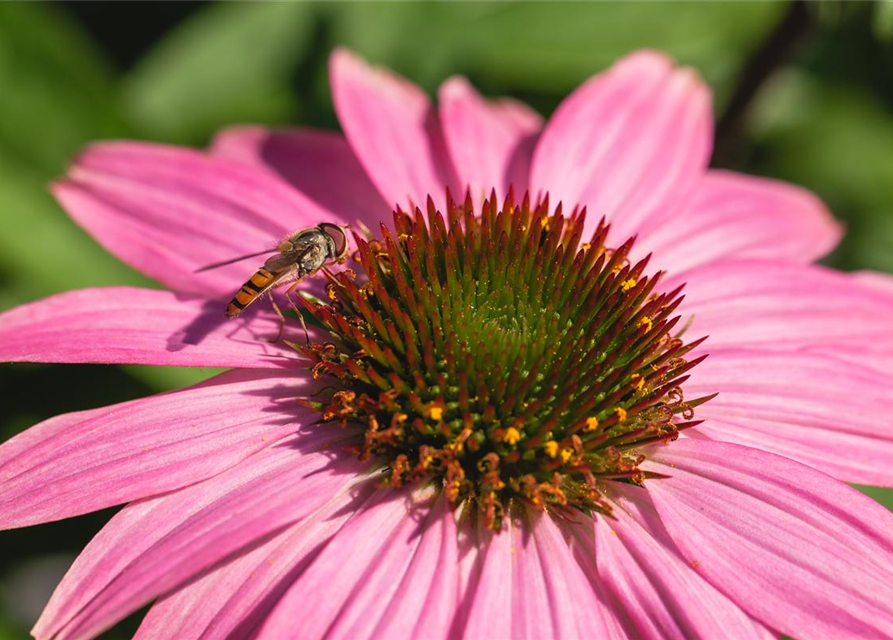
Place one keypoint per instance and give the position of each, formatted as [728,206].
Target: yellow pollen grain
[435,413]
[638,381]
[628,284]
[586,246]
[403,236]
[621,413]
[512,436]
[551,448]
[647,323]
[544,223]
[591,424]
[566,454]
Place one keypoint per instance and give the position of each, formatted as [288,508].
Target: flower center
[499,357]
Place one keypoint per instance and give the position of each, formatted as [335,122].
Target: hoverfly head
[338,235]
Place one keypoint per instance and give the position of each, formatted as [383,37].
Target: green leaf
[881,494]
[57,89]
[836,139]
[8,630]
[882,22]
[230,62]
[169,378]
[550,47]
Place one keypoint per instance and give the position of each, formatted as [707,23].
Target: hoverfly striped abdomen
[253,287]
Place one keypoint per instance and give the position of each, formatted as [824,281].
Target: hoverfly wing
[280,264]
[215,265]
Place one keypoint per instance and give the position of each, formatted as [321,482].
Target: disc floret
[497,355]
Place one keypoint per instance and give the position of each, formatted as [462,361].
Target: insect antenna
[214,265]
[363,229]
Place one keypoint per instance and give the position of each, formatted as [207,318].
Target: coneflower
[497,355]
[490,429]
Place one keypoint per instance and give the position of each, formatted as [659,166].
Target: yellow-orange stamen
[511,436]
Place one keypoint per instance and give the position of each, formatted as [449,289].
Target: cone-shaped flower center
[497,355]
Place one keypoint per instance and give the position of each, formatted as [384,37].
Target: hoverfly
[301,254]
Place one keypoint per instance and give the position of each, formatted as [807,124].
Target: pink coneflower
[503,425]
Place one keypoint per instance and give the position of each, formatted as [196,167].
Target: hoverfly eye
[337,235]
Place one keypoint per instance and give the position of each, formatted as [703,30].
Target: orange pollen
[511,436]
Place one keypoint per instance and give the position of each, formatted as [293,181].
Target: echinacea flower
[503,424]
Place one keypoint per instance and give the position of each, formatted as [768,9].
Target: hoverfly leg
[278,313]
[297,310]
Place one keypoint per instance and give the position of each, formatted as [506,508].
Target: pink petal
[81,462]
[783,306]
[638,562]
[346,590]
[803,553]
[153,546]
[627,143]
[531,586]
[489,598]
[432,571]
[319,164]
[234,599]
[168,211]
[129,325]
[731,215]
[875,279]
[824,412]
[491,143]
[572,593]
[393,130]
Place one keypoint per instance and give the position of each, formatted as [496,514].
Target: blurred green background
[803,92]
